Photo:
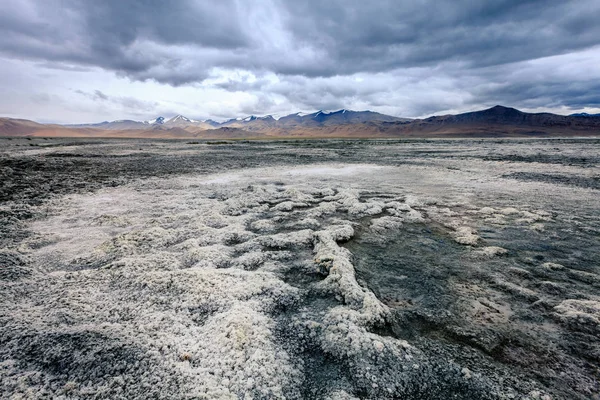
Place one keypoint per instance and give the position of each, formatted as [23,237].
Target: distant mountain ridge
[253,122]
[494,115]
[500,116]
[498,121]
[584,115]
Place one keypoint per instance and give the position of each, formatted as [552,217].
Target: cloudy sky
[93,60]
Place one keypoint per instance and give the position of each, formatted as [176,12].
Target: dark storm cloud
[183,42]
[207,24]
[345,36]
[572,95]
[367,36]
[126,37]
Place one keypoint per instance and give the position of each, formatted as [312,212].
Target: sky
[77,61]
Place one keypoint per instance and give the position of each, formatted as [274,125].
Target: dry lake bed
[337,269]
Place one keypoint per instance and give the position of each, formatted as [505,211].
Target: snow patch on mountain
[159,121]
[181,118]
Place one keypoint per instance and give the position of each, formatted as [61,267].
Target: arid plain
[341,269]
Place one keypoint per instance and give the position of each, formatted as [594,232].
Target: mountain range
[497,121]
[253,122]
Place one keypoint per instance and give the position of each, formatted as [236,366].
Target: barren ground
[338,269]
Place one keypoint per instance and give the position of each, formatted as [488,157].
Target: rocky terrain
[337,269]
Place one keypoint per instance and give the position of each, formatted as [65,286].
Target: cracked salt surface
[328,281]
[199,292]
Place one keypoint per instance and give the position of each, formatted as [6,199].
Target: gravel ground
[340,269]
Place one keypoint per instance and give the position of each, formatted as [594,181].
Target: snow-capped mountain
[252,122]
[339,117]
[249,118]
[254,118]
[180,121]
[156,121]
[181,118]
[212,122]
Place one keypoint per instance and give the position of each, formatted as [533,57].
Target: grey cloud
[572,95]
[63,67]
[367,36]
[261,106]
[324,38]
[242,85]
[129,103]
[41,98]
[129,38]
[406,51]
[205,24]
[98,94]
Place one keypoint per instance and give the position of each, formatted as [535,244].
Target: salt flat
[300,269]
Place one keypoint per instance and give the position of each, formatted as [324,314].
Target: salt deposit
[251,284]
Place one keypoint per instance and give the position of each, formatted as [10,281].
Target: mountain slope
[501,119]
[180,121]
[18,127]
[340,117]
[114,125]
[251,123]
